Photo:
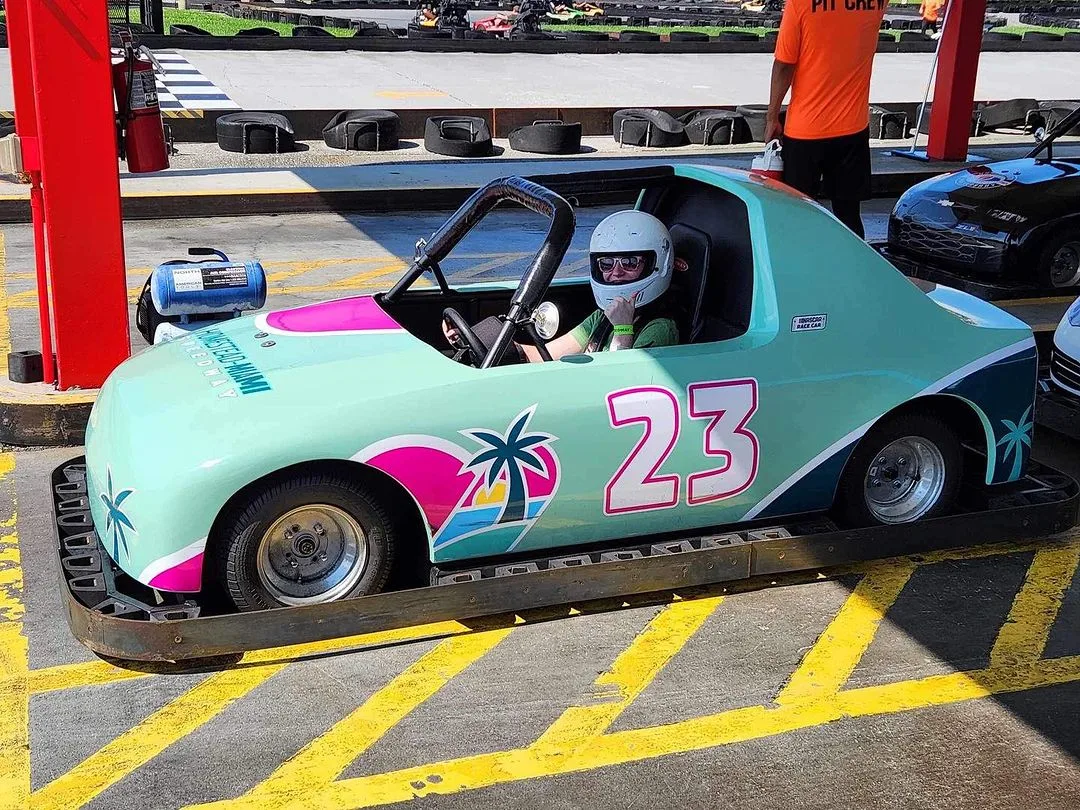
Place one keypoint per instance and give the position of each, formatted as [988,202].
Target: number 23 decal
[728,404]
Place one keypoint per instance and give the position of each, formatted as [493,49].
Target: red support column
[84,245]
[954,90]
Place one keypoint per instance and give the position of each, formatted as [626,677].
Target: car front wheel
[301,541]
[906,468]
[1060,261]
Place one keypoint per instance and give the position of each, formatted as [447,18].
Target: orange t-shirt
[931,10]
[832,44]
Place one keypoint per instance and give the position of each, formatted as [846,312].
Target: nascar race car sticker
[488,493]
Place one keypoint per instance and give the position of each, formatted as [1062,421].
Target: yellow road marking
[323,759]
[832,659]
[359,281]
[14,699]
[635,668]
[1035,607]
[101,673]
[167,725]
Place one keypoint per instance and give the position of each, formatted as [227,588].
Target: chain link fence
[142,16]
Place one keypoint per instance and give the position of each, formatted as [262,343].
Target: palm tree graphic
[1017,436]
[510,451]
[115,519]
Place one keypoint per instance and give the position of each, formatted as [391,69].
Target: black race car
[1006,227]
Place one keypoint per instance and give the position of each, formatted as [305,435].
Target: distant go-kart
[302,456]
[998,230]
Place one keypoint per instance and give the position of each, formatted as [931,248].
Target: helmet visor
[622,268]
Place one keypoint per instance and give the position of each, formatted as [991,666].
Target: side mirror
[546,320]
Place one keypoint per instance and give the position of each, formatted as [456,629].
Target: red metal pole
[87,285]
[954,90]
[37,210]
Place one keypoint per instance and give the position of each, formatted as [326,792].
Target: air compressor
[184,295]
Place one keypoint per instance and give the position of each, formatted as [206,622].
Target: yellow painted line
[14,699]
[829,663]
[171,723]
[102,673]
[359,281]
[711,731]
[323,759]
[635,668]
[1023,637]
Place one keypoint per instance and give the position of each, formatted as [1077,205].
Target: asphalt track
[282,80]
[948,681]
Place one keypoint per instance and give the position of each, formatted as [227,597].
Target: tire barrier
[547,138]
[257,31]
[188,30]
[1054,111]
[688,36]
[255,133]
[644,127]
[418,32]
[310,31]
[638,36]
[1042,36]
[1001,36]
[738,36]
[913,36]
[588,36]
[924,125]
[887,125]
[1013,113]
[458,136]
[363,131]
[715,127]
[754,114]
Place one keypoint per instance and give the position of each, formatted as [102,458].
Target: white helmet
[631,236]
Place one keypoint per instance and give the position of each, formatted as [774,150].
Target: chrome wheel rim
[312,554]
[1065,266]
[905,480]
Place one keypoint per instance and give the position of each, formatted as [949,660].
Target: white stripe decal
[171,561]
[943,383]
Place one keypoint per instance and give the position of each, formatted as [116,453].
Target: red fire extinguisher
[142,135]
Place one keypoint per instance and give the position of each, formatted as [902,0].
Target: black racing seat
[695,248]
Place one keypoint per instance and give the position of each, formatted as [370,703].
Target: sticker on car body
[809,323]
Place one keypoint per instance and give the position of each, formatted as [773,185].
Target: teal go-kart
[309,455]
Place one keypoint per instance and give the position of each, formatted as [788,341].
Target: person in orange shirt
[930,11]
[824,55]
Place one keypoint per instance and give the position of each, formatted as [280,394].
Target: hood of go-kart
[185,424]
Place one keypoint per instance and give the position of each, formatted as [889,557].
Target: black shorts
[832,168]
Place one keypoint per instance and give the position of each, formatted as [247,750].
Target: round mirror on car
[546,320]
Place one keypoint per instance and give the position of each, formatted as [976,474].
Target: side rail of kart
[115,616]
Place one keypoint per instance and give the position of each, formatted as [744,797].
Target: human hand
[773,129]
[620,312]
[451,334]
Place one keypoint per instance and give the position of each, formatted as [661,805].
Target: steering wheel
[477,351]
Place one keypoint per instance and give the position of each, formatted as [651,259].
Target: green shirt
[657,332]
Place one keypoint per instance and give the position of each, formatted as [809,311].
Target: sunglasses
[608,263]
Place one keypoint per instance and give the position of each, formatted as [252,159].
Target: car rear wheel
[906,468]
[305,540]
[1060,263]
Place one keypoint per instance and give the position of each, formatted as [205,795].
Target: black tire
[310,31]
[547,138]
[1072,36]
[1010,113]
[234,548]
[754,115]
[1001,36]
[363,130]
[585,36]
[1041,36]
[188,30]
[738,36]
[1063,248]
[457,136]
[887,125]
[913,36]
[257,31]
[709,127]
[416,32]
[688,36]
[885,36]
[255,133]
[643,127]
[638,36]
[851,509]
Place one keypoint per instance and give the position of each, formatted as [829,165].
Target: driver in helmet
[631,260]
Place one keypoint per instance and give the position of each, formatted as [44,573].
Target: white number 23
[727,404]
